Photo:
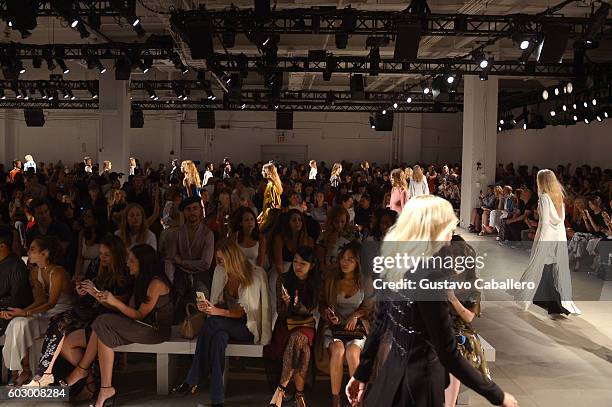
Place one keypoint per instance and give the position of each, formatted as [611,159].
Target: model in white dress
[549,248]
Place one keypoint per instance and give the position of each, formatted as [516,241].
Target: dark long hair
[149,267]
[53,246]
[236,223]
[308,289]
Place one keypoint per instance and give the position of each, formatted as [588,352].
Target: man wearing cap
[192,255]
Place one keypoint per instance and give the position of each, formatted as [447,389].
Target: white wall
[329,137]
[442,135]
[579,144]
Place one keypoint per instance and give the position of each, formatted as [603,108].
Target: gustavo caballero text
[52,393]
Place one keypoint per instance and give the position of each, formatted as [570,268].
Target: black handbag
[340,332]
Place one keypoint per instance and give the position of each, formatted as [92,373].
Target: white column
[479,141]
[114,135]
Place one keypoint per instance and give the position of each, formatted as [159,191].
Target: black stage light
[228,36]
[357,87]
[34,117]
[341,40]
[127,10]
[553,44]
[123,68]
[407,42]
[384,122]
[66,9]
[374,61]
[206,119]
[63,66]
[21,15]
[137,119]
[284,120]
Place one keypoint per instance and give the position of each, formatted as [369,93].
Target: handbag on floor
[193,322]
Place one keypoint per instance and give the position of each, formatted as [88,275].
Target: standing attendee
[52,296]
[423,347]
[312,175]
[88,165]
[334,178]
[418,183]
[549,262]
[272,194]
[15,290]
[191,180]
[132,166]
[146,318]
[16,170]
[399,190]
[208,174]
[107,166]
[238,310]
[175,177]
[227,168]
[29,163]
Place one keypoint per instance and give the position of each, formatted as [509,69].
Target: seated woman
[238,310]
[52,296]
[246,233]
[69,331]
[380,223]
[293,234]
[485,201]
[583,244]
[294,330]
[498,203]
[147,318]
[337,233]
[346,307]
[133,229]
[318,209]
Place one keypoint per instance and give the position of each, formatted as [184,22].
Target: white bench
[177,345]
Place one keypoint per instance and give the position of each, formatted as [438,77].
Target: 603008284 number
[8,393]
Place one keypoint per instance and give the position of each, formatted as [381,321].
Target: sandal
[299,399]
[281,389]
[111,400]
[45,380]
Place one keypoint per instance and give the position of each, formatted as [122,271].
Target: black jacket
[423,351]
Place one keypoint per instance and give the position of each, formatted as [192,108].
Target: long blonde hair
[417,174]
[336,169]
[407,174]
[192,176]
[425,220]
[549,184]
[398,179]
[272,176]
[236,265]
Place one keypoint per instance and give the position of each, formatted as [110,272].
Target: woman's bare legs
[451,392]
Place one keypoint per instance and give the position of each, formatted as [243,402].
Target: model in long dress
[549,263]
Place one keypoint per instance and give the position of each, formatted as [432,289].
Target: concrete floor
[543,362]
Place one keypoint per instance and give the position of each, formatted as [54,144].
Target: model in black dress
[423,351]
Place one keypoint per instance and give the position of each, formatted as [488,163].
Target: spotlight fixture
[499,128]
[408,99]
[598,117]
[178,64]
[524,44]
[483,63]
[384,111]
[556,91]
[553,113]
[501,121]
[372,123]
[564,107]
[594,102]
[575,118]
[569,87]
[483,76]
[545,94]
[243,106]
[127,10]
[426,89]
[585,104]
[395,105]
[525,126]
[574,106]
[374,61]
[586,120]
[101,68]
[66,10]
[63,66]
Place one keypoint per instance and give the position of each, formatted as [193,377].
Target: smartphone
[200,296]
[331,311]
[144,323]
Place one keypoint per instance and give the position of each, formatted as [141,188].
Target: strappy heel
[299,399]
[111,400]
[45,380]
[282,390]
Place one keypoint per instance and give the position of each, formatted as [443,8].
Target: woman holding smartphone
[294,331]
[146,318]
[68,332]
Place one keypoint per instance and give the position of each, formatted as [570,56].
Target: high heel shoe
[184,389]
[282,391]
[45,380]
[299,399]
[64,383]
[111,400]
[335,400]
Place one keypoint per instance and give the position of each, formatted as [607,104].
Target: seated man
[15,290]
[191,255]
